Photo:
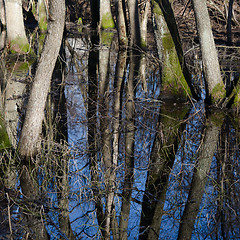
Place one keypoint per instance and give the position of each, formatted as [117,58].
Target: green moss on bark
[19,45]
[156,9]
[173,81]
[106,37]
[42,18]
[4,139]
[43,24]
[217,117]
[218,93]
[107,21]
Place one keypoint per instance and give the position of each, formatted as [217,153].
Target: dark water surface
[120,153]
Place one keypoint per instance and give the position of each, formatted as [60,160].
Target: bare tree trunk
[32,126]
[3,37]
[229,23]
[143,24]
[129,145]
[165,145]
[121,26]
[135,33]
[118,83]
[215,87]
[106,146]
[2,13]
[200,176]
[95,8]
[15,27]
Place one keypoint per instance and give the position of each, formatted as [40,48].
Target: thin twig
[9,218]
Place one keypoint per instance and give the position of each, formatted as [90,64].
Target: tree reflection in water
[136,166]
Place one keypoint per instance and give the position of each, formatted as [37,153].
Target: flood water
[121,156]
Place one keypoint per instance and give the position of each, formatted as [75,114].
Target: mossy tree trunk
[16,34]
[42,15]
[163,7]
[106,19]
[174,85]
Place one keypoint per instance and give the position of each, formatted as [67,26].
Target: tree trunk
[15,27]
[121,26]
[135,34]
[106,143]
[129,145]
[32,126]
[168,135]
[229,23]
[200,176]
[214,85]
[42,15]
[106,19]
[117,105]
[2,13]
[167,12]
[143,24]
[95,13]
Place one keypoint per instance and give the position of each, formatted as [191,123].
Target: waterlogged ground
[119,155]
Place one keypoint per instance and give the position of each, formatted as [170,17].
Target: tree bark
[95,13]
[129,145]
[229,23]
[200,176]
[2,13]
[42,15]
[167,12]
[106,143]
[214,85]
[143,24]
[32,126]
[135,33]
[121,26]
[15,26]
[165,145]
[106,19]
